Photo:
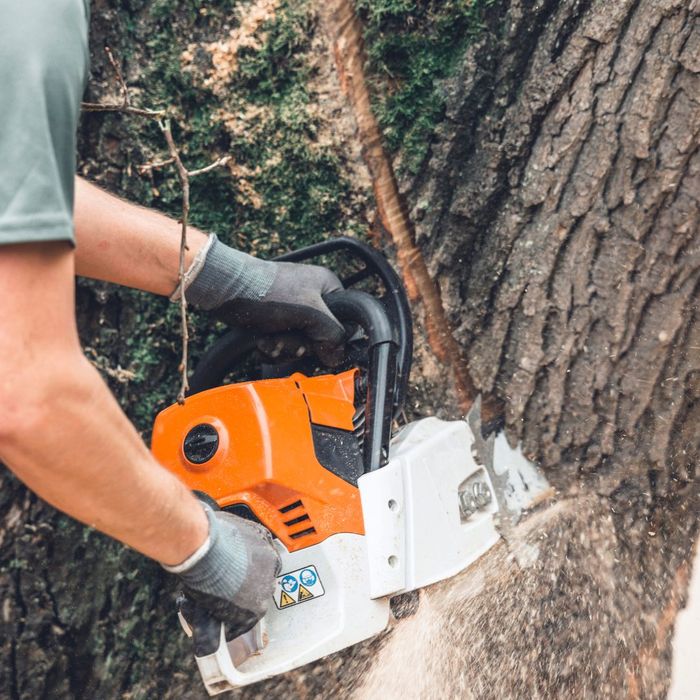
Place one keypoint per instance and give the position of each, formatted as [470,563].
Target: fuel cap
[201,443]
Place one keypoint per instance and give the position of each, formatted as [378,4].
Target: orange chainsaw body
[265,454]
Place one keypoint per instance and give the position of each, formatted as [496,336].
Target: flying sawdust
[480,634]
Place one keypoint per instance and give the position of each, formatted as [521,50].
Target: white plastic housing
[414,530]
[415,535]
[300,633]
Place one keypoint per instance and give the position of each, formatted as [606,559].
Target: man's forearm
[62,432]
[81,454]
[124,243]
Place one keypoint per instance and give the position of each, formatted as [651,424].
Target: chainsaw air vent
[359,418]
[291,506]
[298,517]
[302,533]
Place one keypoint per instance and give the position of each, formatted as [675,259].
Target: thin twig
[184,178]
[120,78]
[216,164]
[136,111]
[147,167]
[183,175]
[125,104]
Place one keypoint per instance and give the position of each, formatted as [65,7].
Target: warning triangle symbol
[286,599]
[304,593]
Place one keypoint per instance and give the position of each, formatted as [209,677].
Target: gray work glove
[273,297]
[232,577]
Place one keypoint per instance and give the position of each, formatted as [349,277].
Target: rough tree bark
[558,210]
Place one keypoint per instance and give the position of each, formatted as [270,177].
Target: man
[61,431]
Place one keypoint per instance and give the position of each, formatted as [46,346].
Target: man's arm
[62,432]
[127,244]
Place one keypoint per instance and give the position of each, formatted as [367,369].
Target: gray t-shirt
[43,68]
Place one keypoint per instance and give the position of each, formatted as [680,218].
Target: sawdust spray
[424,657]
[531,619]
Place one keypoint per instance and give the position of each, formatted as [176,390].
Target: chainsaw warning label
[298,587]
[286,600]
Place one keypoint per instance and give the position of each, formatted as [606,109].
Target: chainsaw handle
[233,346]
[347,305]
[354,306]
[369,313]
[395,299]
[221,358]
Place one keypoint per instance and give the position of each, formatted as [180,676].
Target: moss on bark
[412,47]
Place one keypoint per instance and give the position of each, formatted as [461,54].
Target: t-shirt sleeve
[43,69]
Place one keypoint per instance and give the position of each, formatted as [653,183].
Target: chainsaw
[360,512]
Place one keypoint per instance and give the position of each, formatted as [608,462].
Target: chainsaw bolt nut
[393,505]
[482,494]
[393,561]
[467,506]
[475,499]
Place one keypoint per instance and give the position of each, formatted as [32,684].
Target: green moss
[412,45]
[267,74]
[300,186]
[288,189]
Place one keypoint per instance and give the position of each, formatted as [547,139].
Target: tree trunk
[560,212]
[557,209]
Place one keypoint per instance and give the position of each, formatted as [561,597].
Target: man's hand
[232,576]
[243,291]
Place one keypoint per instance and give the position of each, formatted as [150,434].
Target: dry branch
[126,109]
[125,105]
[148,167]
[184,176]
[216,164]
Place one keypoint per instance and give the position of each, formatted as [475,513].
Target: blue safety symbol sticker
[308,577]
[297,587]
[289,584]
